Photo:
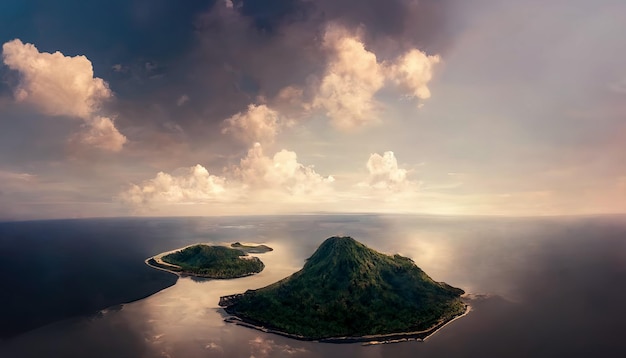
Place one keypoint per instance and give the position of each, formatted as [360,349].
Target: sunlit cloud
[256,124]
[59,85]
[256,179]
[412,72]
[56,84]
[282,171]
[100,132]
[353,76]
[194,185]
[385,174]
[276,182]
[327,90]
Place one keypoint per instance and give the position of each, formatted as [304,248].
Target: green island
[218,262]
[251,249]
[347,292]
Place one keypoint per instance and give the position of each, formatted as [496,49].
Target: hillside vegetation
[348,289]
[214,262]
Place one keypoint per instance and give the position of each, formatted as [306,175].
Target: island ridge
[346,289]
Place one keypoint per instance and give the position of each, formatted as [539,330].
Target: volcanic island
[212,261]
[347,292]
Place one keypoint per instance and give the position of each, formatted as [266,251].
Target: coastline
[159,264]
[366,340]
[468,309]
[147,262]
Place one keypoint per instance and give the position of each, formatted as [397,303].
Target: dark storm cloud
[423,24]
[139,37]
[418,23]
[271,14]
[255,49]
[152,53]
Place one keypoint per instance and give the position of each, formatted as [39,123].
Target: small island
[251,249]
[347,292]
[217,262]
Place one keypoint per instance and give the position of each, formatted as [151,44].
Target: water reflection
[548,282]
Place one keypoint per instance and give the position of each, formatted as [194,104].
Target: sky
[232,107]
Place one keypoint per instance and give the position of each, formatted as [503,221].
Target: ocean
[538,287]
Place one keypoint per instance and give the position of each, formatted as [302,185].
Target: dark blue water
[553,287]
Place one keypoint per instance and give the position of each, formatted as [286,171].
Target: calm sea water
[552,287]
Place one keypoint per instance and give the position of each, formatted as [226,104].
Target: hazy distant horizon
[379,214]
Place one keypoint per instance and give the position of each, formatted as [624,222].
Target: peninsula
[218,262]
[347,292]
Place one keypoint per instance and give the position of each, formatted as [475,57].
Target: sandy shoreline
[468,309]
[160,263]
[158,260]
[365,340]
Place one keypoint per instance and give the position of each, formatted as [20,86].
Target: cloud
[258,179]
[56,84]
[15,182]
[332,56]
[118,67]
[59,85]
[100,132]
[353,76]
[257,124]
[182,100]
[194,185]
[346,90]
[413,71]
[384,173]
[10,176]
[282,172]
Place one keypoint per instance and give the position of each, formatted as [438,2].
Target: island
[251,249]
[209,261]
[347,292]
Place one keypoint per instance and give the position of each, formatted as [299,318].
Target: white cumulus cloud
[413,71]
[194,185]
[100,132]
[257,180]
[54,83]
[347,90]
[257,124]
[282,172]
[353,76]
[384,173]
[59,85]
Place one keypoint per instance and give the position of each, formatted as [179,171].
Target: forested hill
[214,262]
[348,289]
